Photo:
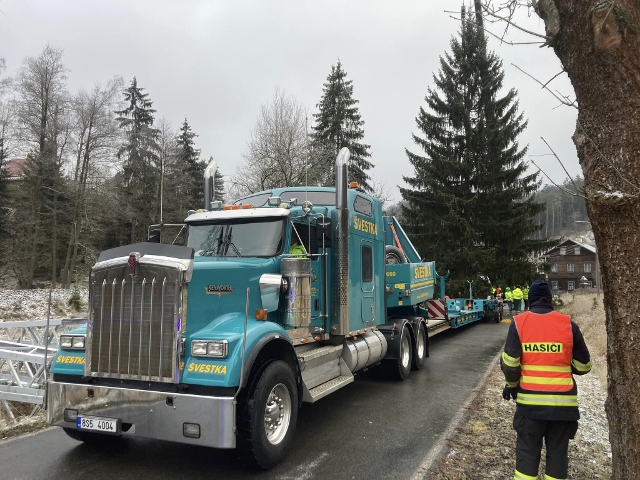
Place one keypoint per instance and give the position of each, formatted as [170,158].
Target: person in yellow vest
[517,299]
[543,350]
[297,250]
[508,296]
[525,297]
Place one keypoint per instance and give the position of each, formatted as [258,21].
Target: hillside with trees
[84,171]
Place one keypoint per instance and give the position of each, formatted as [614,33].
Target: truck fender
[392,335]
[272,346]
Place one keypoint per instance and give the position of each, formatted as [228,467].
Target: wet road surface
[370,429]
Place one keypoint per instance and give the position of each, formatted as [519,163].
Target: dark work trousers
[556,435]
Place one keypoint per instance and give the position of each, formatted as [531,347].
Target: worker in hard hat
[508,296]
[517,299]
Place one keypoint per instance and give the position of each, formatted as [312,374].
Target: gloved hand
[509,392]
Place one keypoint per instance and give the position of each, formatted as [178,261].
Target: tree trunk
[598,43]
[54,242]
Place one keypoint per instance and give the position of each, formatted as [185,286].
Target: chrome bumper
[148,414]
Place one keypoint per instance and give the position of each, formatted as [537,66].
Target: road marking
[439,448]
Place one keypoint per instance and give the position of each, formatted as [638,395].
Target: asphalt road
[370,429]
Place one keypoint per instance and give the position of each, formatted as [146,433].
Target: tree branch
[493,13]
[560,162]
[544,86]
[575,194]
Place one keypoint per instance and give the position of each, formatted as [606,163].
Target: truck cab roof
[244,214]
[320,196]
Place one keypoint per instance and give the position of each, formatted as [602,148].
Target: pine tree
[191,169]
[339,124]
[471,205]
[141,173]
[218,186]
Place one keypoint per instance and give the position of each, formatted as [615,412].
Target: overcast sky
[216,62]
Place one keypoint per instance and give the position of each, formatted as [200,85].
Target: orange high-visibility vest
[547,347]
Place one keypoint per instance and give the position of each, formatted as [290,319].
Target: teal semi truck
[217,341]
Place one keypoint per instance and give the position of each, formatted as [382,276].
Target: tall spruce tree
[218,186]
[191,169]
[471,206]
[139,154]
[339,124]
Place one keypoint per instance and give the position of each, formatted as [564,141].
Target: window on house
[554,268]
[569,267]
[571,285]
[554,284]
[563,250]
[576,250]
[587,268]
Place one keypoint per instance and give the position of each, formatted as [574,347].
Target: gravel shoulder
[482,445]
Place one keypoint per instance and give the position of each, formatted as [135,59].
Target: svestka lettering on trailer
[542,347]
[422,272]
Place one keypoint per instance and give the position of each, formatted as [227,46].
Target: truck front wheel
[270,415]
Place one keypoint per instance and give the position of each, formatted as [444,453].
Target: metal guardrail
[26,350]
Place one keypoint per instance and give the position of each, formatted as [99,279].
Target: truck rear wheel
[420,350]
[400,368]
[270,416]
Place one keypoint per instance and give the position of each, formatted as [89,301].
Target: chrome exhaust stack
[209,184]
[340,318]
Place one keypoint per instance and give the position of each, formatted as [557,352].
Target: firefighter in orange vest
[544,349]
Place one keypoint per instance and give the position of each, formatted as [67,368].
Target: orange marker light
[247,205]
[261,314]
[353,185]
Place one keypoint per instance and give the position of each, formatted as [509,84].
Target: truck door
[366,281]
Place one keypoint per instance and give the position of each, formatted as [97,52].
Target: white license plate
[106,425]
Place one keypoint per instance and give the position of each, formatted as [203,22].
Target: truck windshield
[237,238]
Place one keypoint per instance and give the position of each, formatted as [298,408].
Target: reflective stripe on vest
[547,346]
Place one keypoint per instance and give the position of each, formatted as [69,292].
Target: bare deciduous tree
[597,42]
[96,135]
[278,152]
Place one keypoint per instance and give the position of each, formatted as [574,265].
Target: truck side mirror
[323,232]
[154,236]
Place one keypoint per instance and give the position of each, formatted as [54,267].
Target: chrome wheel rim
[420,349]
[277,414]
[404,351]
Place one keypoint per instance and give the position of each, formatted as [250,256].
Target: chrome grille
[134,323]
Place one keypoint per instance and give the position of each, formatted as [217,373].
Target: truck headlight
[209,348]
[72,342]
